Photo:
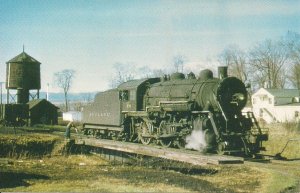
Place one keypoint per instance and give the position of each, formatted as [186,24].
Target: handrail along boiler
[167,110]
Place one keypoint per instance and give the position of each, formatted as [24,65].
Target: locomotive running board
[191,157]
[103,127]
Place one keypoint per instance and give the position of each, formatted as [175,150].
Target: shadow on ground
[15,179]
[166,177]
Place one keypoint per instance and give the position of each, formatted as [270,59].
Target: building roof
[23,58]
[131,84]
[284,92]
[135,83]
[33,103]
[290,104]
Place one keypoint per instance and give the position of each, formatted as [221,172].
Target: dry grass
[279,134]
[90,173]
[80,173]
[30,145]
[239,178]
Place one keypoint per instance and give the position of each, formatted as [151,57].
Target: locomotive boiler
[167,110]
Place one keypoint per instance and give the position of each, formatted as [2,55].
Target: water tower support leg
[7,96]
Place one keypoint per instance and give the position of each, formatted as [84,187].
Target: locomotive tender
[167,110]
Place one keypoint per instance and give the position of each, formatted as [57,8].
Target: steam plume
[196,140]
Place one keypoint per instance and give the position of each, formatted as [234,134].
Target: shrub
[26,145]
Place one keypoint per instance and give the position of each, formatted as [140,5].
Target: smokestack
[222,71]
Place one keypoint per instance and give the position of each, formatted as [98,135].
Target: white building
[74,116]
[276,105]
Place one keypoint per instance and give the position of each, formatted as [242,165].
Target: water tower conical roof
[23,58]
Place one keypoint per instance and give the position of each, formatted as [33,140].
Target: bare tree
[292,40]
[146,72]
[295,76]
[127,71]
[123,72]
[178,62]
[236,60]
[268,60]
[158,73]
[63,80]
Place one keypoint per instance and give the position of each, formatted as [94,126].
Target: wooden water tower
[23,75]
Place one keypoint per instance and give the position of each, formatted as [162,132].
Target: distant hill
[60,98]
[72,97]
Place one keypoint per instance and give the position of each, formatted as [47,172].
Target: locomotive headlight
[238,97]
[241,97]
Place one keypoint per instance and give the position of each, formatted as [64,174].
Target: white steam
[195,141]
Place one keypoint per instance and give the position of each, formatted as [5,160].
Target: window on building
[254,101]
[295,100]
[270,100]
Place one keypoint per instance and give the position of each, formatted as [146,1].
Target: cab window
[124,95]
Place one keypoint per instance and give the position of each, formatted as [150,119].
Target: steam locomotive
[167,110]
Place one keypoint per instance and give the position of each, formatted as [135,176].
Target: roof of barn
[34,103]
[284,92]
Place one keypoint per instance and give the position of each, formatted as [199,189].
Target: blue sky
[91,36]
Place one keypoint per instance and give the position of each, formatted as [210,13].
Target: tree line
[270,64]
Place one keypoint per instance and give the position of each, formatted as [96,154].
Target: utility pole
[47,95]
[1,102]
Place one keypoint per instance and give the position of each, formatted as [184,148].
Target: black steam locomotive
[167,110]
